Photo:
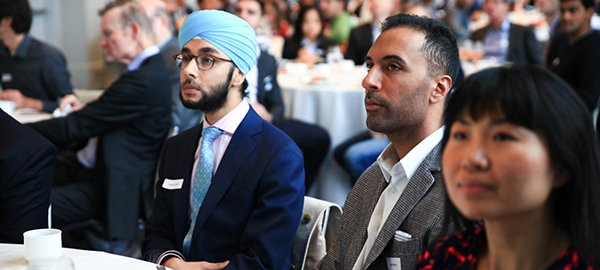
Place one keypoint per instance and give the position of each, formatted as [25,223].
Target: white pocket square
[402,236]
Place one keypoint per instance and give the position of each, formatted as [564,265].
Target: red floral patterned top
[459,252]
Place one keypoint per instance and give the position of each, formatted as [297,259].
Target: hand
[20,100]
[71,100]
[262,111]
[306,57]
[15,96]
[178,264]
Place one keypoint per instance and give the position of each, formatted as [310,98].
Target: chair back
[319,226]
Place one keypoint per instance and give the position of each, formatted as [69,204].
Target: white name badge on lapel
[393,263]
[6,77]
[172,184]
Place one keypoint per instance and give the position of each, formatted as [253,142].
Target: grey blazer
[419,211]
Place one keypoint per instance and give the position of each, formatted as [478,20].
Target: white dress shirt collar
[138,60]
[388,159]
[230,122]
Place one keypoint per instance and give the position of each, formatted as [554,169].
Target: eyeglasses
[203,61]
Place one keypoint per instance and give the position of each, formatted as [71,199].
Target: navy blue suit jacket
[252,209]
[26,167]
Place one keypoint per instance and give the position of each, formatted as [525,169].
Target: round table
[333,99]
[11,258]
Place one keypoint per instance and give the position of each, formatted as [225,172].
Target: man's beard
[209,102]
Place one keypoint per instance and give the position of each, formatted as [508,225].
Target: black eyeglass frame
[179,62]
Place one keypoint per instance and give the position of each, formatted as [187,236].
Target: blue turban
[229,33]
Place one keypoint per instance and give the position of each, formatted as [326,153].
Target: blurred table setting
[12,258]
[330,95]
[28,115]
[472,57]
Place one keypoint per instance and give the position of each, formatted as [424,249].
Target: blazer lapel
[374,185]
[240,147]
[417,187]
[512,42]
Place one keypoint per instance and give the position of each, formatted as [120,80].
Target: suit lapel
[512,42]
[371,188]
[417,187]
[260,83]
[238,150]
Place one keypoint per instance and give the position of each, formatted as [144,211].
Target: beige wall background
[73,26]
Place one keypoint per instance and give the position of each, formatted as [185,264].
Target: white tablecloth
[27,115]
[11,258]
[336,103]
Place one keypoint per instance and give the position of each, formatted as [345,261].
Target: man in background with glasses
[111,178]
[162,27]
[230,191]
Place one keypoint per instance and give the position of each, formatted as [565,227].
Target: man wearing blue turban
[230,190]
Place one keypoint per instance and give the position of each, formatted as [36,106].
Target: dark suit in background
[313,140]
[578,63]
[523,47]
[183,118]
[251,210]
[26,166]
[359,43]
[131,120]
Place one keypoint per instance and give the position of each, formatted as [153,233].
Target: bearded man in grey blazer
[397,207]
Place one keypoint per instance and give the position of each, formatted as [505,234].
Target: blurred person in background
[33,74]
[550,9]
[276,18]
[212,4]
[338,22]
[574,54]
[458,16]
[308,45]
[178,11]
[363,36]
[505,41]
[417,7]
[183,118]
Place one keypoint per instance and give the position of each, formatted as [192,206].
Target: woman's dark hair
[298,35]
[540,101]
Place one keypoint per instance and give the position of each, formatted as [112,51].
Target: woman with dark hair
[307,45]
[521,166]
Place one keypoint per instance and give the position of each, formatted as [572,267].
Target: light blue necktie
[202,177]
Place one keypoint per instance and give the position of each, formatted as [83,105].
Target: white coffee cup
[43,248]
